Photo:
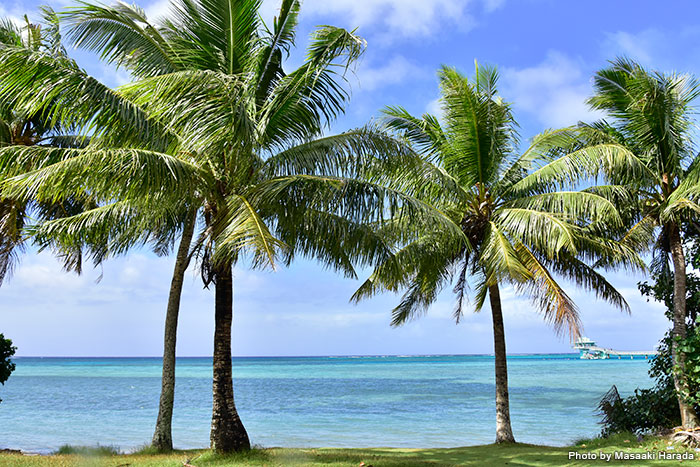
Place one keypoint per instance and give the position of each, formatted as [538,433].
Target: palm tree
[651,124]
[124,35]
[225,133]
[517,228]
[20,127]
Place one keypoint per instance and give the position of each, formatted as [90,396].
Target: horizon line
[301,356]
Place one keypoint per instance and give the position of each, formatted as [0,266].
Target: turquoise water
[428,401]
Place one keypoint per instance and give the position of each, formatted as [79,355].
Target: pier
[590,351]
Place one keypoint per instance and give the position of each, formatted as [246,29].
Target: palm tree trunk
[689,419]
[504,432]
[162,437]
[227,431]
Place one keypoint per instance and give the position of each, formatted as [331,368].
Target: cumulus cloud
[493,5]
[14,12]
[393,17]
[302,310]
[434,107]
[404,17]
[157,9]
[554,91]
[640,46]
[394,71]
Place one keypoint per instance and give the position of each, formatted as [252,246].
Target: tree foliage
[213,124]
[512,221]
[22,126]
[656,408]
[652,171]
[7,350]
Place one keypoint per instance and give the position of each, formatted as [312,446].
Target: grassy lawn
[489,455]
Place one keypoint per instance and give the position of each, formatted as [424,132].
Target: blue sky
[546,51]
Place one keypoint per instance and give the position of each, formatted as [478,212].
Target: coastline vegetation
[216,145]
[7,350]
[656,409]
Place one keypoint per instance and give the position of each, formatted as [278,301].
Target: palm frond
[65,95]
[312,96]
[104,174]
[551,300]
[242,229]
[122,35]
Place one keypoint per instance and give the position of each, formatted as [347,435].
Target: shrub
[92,451]
[6,365]
[649,410]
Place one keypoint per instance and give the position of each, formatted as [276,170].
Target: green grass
[488,455]
[89,451]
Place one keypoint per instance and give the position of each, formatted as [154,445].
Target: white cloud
[553,91]
[434,107]
[392,18]
[157,9]
[45,274]
[493,5]
[14,12]
[404,17]
[641,46]
[394,71]
[301,310]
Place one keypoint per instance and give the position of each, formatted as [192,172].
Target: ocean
[392,401]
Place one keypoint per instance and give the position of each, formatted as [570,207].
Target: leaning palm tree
[518,230]
[228,135]
[651,125]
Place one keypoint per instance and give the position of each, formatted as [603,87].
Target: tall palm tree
[651,124]
[123,35]
[518,230]
[229,135]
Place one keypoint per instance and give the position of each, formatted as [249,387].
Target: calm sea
[423,401]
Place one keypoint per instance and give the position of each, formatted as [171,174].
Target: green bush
[645,411]
[648,410]
[6,365]
[690,346]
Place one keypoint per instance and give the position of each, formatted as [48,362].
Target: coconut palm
[651,126]
[222,130]
[518,228]
[123,35]
[21,127]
